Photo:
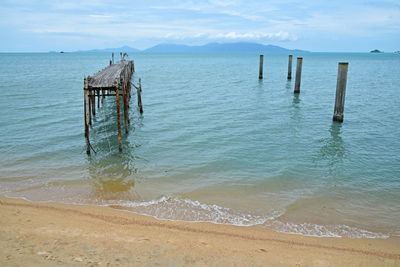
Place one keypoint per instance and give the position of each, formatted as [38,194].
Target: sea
[215,143]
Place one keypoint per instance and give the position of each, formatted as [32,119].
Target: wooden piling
[298,75]
[118,116]
[93,94]
[129,91]
[87,113]
[260,76]
[340,91]
[102,96]
[98,99]
[113,58]
[89,100]
[125,98]
[289,73]
[139,95]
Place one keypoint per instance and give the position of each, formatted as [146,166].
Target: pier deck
[109,77]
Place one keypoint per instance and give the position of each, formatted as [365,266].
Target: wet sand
[49,234]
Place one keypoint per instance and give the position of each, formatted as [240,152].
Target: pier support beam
[89,110]
[126,113]
[87,114]
[298,75]
[98,99]
[118,116]
[340,91]
[93,95]
[129,91]
[289,73]
[260,75]
[139,96]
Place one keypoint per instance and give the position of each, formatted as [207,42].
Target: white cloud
[224,3]
[281,36]
[97,16]
[200,21]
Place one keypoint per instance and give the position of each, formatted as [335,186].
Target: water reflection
[288,85]
[296,101]
[112,175]
[333,148]
[260,84]
[296,112]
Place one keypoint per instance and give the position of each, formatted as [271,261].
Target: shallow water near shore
[214,143]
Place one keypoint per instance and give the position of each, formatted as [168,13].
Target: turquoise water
[214,143]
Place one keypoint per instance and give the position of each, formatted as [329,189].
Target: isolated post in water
[260,76]
[289,73]
[340,91]
[139,95]
[87,113]
[298,75]
[112,58]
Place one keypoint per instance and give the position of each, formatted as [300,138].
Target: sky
[320,26]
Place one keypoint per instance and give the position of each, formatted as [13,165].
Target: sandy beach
[49,234]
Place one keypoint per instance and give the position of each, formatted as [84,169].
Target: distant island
[376,51]
[207,48]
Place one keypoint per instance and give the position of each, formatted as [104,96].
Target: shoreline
[65,234]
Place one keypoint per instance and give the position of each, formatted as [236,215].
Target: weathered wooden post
[87,113]
[125,98]
[93,95]
[129,91]
[139,95]
[89,100]
[102,96]
[289,73]
[113,58]
[118,116]
[340,91]
[298,75]
[260,76]
[98,99]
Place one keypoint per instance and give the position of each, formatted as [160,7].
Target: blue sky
[352,25]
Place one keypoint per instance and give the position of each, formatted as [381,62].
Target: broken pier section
[111,81]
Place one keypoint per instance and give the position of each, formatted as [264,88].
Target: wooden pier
[111,81]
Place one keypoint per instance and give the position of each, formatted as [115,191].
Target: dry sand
[42,234]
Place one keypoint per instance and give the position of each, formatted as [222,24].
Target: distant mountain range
[208,48]
[116,50]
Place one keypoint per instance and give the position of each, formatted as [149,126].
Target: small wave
[176,209]
[171,208]
[310,229]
